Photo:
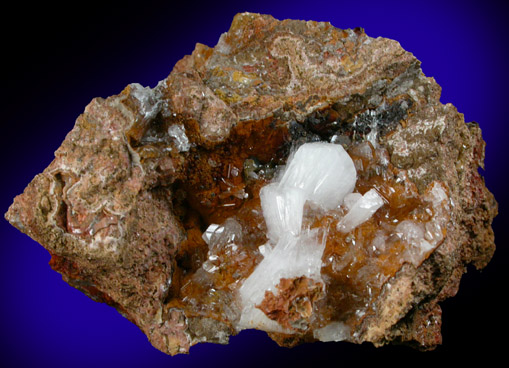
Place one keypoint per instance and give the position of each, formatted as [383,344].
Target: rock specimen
[297,178]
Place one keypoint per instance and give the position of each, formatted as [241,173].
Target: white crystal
[361,211]
[291,257]
[372,136]
[320,172]
[410,231]
[335,331]
[253,317]
[351,199]
[211,230]
[378,243]
[365,150]
[282,209]
[433,232]
[438,195]
[413,233]
[324,171]
[179,136]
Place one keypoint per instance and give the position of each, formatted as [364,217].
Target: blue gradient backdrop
[57,58]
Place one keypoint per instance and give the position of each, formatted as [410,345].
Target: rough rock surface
[143,174]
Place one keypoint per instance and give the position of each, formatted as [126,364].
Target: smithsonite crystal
[296,178]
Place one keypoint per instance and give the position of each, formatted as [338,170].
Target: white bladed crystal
[291,257]
[282,209]
[351,199]
[324,171]
[252,317]
[361,211]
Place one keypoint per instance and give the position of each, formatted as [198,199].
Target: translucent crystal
[410,231]
[361,211]
[413,234]
[218,235]
[335,331]
[150,104]
[211,230]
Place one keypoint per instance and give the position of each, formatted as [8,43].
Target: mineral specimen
[297,178]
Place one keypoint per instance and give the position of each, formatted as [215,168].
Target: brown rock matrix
[152,203]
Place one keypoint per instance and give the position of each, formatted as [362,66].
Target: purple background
[56,59]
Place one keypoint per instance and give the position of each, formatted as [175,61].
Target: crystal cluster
[318,172]
[320,241]
[297,178]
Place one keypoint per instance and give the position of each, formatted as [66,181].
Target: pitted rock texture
[142,175]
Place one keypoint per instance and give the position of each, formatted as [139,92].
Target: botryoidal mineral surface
[296,178]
